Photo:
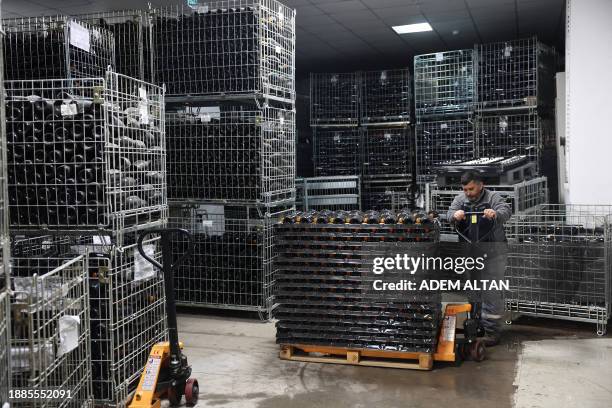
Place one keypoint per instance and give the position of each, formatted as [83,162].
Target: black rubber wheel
[478,351]
[174,397]
[192,390]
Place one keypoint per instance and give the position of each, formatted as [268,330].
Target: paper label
[281,16]
[439,56]
[143,110]
[151,372]
[337,137]
[443,126]
[448,328]
[281,120]
[278,49]
[101,240]
[474,219]
[79,36]
[68,327]
[507,51]
[207,223]
[202,9]
[387,136]
[142,93]
[144,269]
[68,109]
[205,117]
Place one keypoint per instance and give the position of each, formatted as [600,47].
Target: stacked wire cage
[337,151]
[385,97]
[332,193]
[229,70]
[226,47]
[334,99]
[560,263]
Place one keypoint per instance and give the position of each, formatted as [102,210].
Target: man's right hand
[459,215]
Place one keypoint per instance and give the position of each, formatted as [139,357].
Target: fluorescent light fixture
[412,28]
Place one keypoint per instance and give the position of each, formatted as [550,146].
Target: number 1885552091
[38,394]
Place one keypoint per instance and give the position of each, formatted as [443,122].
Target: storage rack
[387,151]
[56,47]
[5,344]
[332,193]
[337,151]
[559,264]
[384,191]
[385,97]
[334,99]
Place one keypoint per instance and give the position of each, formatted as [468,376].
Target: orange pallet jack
[456,344]
[166,374]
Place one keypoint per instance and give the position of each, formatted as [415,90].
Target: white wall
[589,101]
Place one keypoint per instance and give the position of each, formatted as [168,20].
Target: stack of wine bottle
[386,96]
[334,99]
[321,269]
[337,152]
[387,151]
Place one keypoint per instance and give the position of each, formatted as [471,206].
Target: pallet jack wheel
[478,351]
[174,397]
[192,391]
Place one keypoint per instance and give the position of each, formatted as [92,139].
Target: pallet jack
[166,374]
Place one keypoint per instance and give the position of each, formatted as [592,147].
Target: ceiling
[356,34]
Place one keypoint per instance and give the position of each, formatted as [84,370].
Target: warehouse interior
[227,173]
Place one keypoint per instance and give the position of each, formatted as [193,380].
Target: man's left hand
[490,213]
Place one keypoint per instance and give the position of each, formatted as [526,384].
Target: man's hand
[490,213]
[459,215]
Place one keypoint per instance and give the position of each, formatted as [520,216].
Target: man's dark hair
[470,176]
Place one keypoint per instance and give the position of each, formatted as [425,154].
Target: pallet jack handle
[168,271]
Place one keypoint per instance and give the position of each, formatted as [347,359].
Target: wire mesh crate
[5,345]
[86,154]
[133,40]
[382,191]
[523,198]
[441,141]
[515,74]
[560,263]
[387,151]
[231,264]
[444,83]
[226,47]
[337,152]
[56,47]
[50,334]
[334,99]
[504,135]
[235,154]
[328,193]
[385,97]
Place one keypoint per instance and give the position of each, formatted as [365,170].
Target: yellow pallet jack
[166,374]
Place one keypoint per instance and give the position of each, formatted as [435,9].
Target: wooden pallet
[361,357]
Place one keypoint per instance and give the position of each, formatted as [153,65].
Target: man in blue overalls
[495,212]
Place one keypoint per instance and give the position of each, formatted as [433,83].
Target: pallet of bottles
[385,97]
[337,151]
[49,326]
[55,47]
[493,170]
[126,307]
[515,74]
[333,193]
[230,266]
[228,47]
[385,191]
[334,99]
[440,141]
[559,264]
[386,150]
[322,271]
[444,84]
[85,155]
[236,154]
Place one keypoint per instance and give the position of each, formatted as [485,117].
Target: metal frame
[41,48]
[337,151]
[47,291]
[387,150]
[235,154]
[231,265]
[226,47]
[334,99]
[381,191]
[331,193]
[5,345]
[560,263]
[86,155]
[444,84]
[385,97]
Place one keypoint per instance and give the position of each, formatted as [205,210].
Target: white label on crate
[278,49]
[101,240]
[202,9]
[143,110]
[281,119]
[443,126]
[68,328]
[69,109]
[207,223]
[96,34]
[205,117]
[208,113]
[79,36]
[448,328]
[387,136]
[144,269]
[507,50]
[142,92]
[337,137]
[439,56]
[151,372]
[281,16]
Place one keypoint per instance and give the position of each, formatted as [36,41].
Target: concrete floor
[541,363]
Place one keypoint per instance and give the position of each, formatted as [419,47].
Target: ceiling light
[412,28]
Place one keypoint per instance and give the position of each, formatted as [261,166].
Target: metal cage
[328,193]
[560,263]
[231,264]
[515,74]
[235,154]
[383,191]
[385,97]
[334,99]
[226,47]
[444,83]
[337,152]
[85,155]
[5,345]
[523,198]
[387,151]
[50,334]
[56,47]
[441,141]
